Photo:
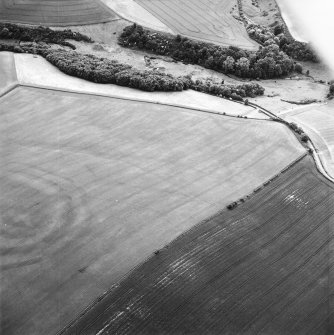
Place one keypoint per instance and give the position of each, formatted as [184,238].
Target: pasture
[210,21]
[264,268]
[55,12]
[318,122]
[290,90]
[264,12]
[92,186]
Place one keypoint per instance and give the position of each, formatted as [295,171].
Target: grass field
[55,12]
[91,186]
[8,77]
[210,21]
[318,122]
[290,90]
[264,268]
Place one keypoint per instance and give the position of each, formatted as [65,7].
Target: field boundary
[204,110]
[8,89]
[134,19]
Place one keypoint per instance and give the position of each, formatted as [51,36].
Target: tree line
[267,62]
[106,71]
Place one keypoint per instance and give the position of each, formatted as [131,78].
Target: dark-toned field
[92,186]
[264,268]
[55,12]
[210,21]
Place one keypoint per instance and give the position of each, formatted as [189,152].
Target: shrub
[40,34]
[330,94]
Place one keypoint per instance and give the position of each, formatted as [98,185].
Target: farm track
[187,18]
[55,12]
[263,268]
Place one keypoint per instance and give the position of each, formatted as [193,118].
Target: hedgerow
[268,62]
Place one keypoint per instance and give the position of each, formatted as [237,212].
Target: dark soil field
[55,12]
[210,21]
[264,268]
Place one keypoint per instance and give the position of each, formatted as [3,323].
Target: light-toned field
[318,123]
[264,268]
[55,12]
[91,186]
[210,21]
[130,10]
[8,77]
[49,76]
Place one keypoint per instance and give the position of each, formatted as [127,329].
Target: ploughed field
[91,186]
[265,267]
[55,12]
[210,21]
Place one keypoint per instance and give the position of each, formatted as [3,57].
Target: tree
[278,30]
[243,65]
[229,64]
[298,68]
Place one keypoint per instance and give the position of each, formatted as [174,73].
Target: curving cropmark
[38,209]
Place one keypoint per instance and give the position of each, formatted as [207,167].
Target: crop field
[55,12]
[8,77]
[318,122]
[264,268]
[210,21]
[92,186]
